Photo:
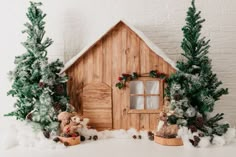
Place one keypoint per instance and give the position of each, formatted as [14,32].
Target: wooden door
[97,105]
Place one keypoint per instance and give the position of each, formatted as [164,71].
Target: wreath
[134,76]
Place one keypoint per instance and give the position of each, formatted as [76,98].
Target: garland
[134,76]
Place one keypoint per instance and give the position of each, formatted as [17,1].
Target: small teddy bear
[70,123]
[68,128]
[73,125]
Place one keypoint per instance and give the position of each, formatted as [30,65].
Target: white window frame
[160,96]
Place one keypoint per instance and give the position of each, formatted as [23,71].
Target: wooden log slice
[168,141]
[69,141]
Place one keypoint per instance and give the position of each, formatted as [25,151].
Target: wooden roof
[140,34]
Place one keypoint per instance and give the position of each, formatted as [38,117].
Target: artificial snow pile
[19,133]
[187,135]
[116,134]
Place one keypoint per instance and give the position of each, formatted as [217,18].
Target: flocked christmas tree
[37,85]
[194,89]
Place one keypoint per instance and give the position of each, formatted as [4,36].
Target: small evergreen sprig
[129,77]
[124,78]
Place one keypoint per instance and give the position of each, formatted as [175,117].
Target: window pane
[136,87]
[136,102]
[152,87]
[152,102]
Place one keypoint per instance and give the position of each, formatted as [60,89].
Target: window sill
[144,111]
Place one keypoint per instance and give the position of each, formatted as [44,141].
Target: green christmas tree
[194,88]
[37,85]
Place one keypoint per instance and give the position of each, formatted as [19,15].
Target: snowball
[183,131]
[218,140]
[18,133]
[204,142]
[185,134]
[104,134]
[144,134]
[230,135]
[191,112]
[132,132]
[186,142]
[120,134]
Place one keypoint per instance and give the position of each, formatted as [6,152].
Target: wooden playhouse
[94,71]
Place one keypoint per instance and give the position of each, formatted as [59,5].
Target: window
[145,95]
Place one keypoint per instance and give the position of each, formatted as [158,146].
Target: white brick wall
[74,23]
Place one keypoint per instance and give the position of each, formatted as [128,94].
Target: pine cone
[192,128]
[59,89]
[95,137]
[151,138]
[193,142]
[82,138]
[199,122]
[57,107]
[196,138]
[29,117]
[56,139]
[150,133]
[46,134]
[177,97]
[139,136]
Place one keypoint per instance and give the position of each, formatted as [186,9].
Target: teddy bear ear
[64,115]
[60,116]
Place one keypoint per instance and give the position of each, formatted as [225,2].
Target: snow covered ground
[123,148]
[19,139]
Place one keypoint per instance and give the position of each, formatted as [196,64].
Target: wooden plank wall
[120,51]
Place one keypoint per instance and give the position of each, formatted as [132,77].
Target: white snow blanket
[227,138]
[15,133]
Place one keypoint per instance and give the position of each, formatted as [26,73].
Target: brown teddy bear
[73,126]
[69,125]
[76,122]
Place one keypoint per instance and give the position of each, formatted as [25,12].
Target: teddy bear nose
[81,119]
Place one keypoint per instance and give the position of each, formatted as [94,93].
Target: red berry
[120,78]
[126,75]
[41,84]
[68,130]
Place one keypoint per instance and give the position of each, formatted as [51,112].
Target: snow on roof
[149,43]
